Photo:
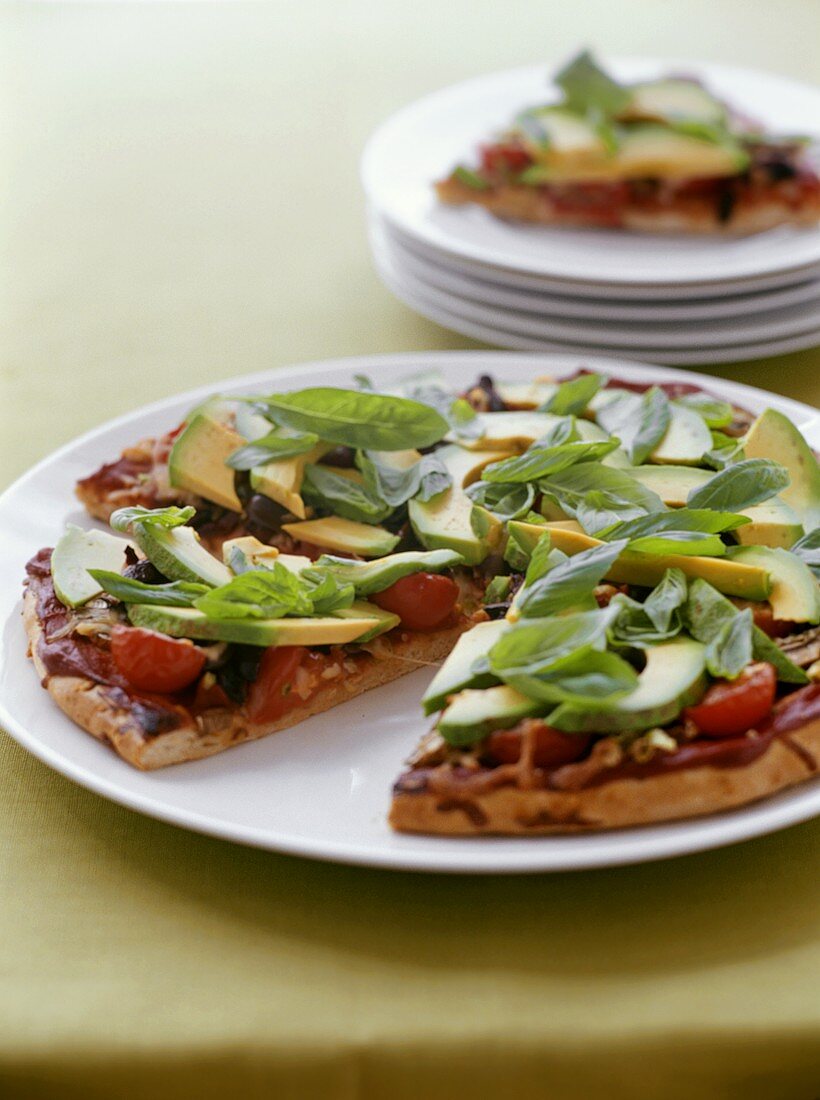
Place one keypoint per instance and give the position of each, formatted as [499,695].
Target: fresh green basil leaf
[598,496]
[726,451]
[696,543]
[341,496]
[807,549]
[124,518]
[424,479]
[262,594]
[505,501]
[717,414]
[533,646]
[173,594]
[497,590]
[326,592]
[707,611]
[730,650]
[572,397]
[587,88]
[666,598]
[589,677]
[470,178]
[459,414]
[634,629]
[541,560]
[568,583]
[272,447]
[358,418]
[364,382]
[640,421]
[740,486]
[541,462]
[680,519]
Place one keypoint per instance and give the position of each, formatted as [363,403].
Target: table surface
[182,204]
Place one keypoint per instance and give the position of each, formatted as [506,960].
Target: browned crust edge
[89,705]
[617,804]
[523,203]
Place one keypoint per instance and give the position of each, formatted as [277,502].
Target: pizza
[616,583]
[661,156]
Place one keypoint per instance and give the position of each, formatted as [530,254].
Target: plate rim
[468,857]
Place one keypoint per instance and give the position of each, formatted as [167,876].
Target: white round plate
[422,143]
[766,325]
[322,789]
[450,279]
[429,304]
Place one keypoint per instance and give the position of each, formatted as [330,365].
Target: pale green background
[180,202]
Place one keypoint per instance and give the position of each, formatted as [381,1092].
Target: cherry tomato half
[505,158]
[154,662]
[423,601]
[270,695]
[552,747]
[732,707]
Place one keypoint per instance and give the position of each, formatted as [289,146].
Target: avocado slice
[247,553]
[773,523]
[795,594]
[686,440]
[733,578]
[672,483]
[197,460]
[465,466]
[75,553]
[178,553]
[456,673]
[652,151]
[473,714]
[336,533]
[526,395]
[672,100]
[509,431]
[774,436]
[368,577]
[282,480]
[674,677]
[381,620]
[187,622]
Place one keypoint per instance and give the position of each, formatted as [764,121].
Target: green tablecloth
[181,204]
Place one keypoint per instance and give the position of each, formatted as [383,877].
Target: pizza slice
[658,156]
[641,669]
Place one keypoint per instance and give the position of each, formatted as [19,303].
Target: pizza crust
[690,792]
[529,204]
[94,707]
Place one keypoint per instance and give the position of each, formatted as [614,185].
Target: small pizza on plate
[619,578]
[658,156]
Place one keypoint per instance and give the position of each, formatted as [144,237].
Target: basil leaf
[541,462]
[707,611]
[696,543]
[497,590]
[533,647]
[639,421]
[598,496]
[358,418]
[341,496]
[807,549]
[173,594]
[364,382]
[541,560]
[470,178]
[505,501]
[590,677]
[730,650]
[726,450]
[424,479]
[680,519]
[368,577]
[666,598]
[587,88]
[572,397]
[570,582]
[717,414]
[261,594]
[740,486]
[124,518]
[270,448]
[459,414]
[327,593]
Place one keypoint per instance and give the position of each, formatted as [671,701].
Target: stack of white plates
[658,298]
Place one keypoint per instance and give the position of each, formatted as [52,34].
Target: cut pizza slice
[658,156]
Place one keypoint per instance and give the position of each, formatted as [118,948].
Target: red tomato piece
[505,158]
[270,696]
[552,747]
[154,662]
[423,601]
[731,707]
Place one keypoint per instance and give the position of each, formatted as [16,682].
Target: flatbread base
[92,707]
[530,204]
